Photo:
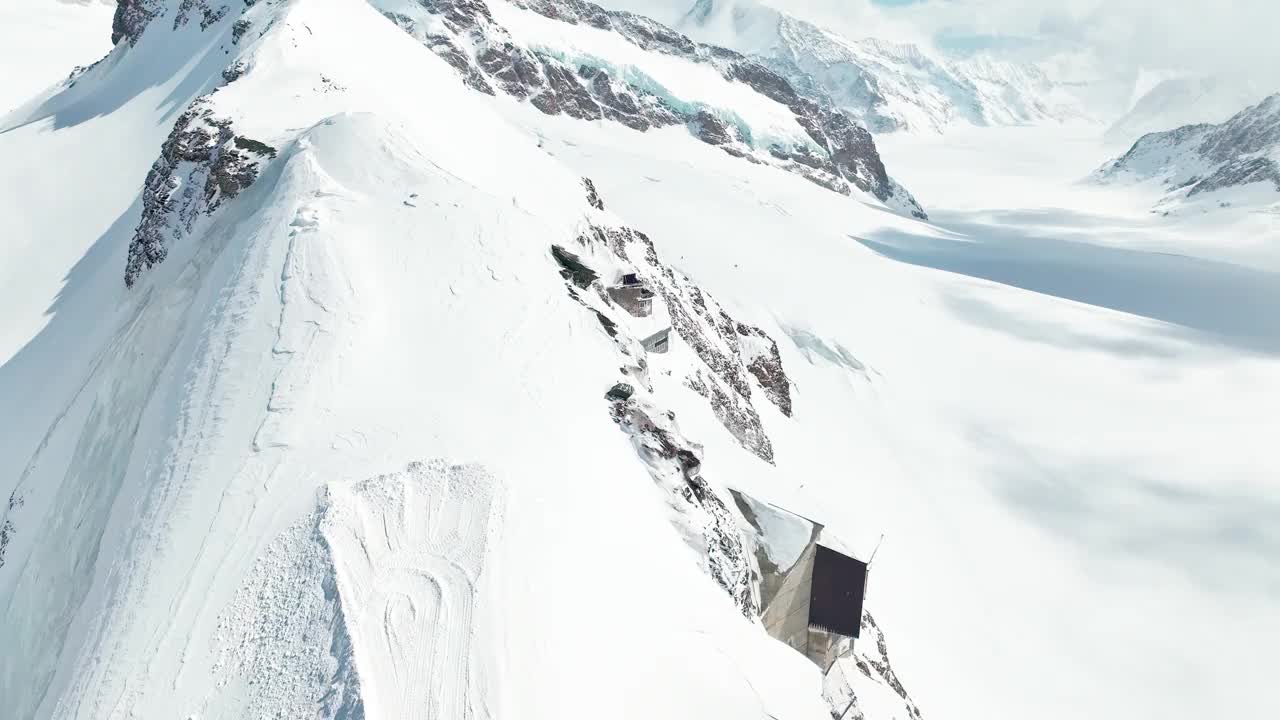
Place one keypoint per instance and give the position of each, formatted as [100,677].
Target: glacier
[366,436]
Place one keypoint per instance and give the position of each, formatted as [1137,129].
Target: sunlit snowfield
[41,41]
[1058,407]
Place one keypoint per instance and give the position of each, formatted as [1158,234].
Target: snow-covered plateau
[319,400]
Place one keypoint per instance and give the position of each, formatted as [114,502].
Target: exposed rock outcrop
[1197,159]
[131,18]
[874,663]
[202,164]
[593,197]
[731,353]
[208,12]
[7,528]
[464,33]
[764,362]
[864,679]
[726,355]
[676,464]
[705,327]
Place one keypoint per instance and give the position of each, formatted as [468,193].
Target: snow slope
[379,293]
[1005,397]
[43,41]
[364,319]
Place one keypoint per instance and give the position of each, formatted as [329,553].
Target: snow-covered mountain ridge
[252,481]
[887,86]
[1242,154]
[373,435]
[893,86]
[561,57]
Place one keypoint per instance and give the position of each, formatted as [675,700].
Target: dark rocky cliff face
[133,16]
[489,59]
[202,164]
[131,19]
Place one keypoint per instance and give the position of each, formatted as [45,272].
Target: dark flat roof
[839,586]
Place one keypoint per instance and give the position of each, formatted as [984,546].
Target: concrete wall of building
[786,617]
[786,593]
[824,647]
[635,299]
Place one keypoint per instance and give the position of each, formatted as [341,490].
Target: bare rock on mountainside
[202,164]
[1198,159]
[839,154]
[886,86]
[728,352]
[131,19]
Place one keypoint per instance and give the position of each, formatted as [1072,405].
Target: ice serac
[1235,161]
[576,72]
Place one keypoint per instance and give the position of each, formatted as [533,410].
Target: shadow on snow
[1217,302]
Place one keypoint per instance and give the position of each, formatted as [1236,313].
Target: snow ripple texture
[375,595]
[408,549]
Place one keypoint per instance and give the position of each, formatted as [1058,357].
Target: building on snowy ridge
[633,295]
[811,588]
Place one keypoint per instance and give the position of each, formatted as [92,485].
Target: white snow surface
[784,535]
[888,86]
[1051,400]
[1183,100]
[383,295]
[352,431]
[43,41]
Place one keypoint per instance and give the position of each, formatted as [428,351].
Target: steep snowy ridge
[895,86]
[370,429]
[578,59]
[259,488]
[202,164]
[886,86]
[1237,161]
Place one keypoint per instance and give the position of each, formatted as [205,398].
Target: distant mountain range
[1182,101]
[1241,155]
[888,86]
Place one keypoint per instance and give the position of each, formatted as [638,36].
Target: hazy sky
[1235,36]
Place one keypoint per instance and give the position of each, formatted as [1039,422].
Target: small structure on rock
[811,591]
[633,295]
[658,342]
